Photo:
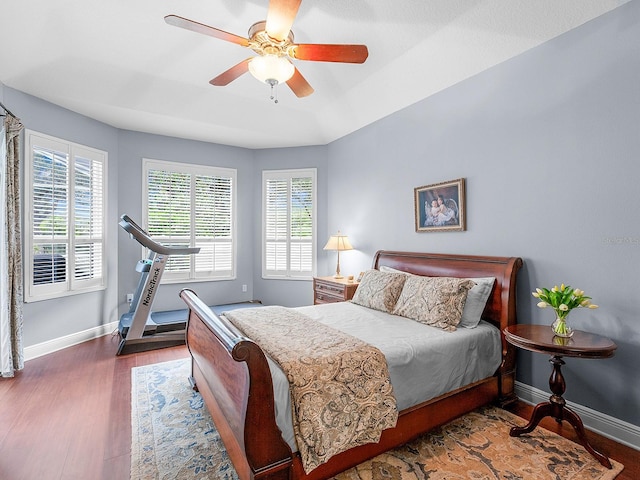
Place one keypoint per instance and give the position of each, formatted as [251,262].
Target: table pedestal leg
[556,408]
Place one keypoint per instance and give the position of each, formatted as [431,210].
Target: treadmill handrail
[133,229]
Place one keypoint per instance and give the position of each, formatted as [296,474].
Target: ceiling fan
[273,41]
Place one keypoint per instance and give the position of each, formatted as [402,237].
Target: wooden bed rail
[221,361]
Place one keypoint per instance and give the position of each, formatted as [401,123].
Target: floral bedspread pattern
[341,393]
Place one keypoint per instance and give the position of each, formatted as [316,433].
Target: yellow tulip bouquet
[562,299]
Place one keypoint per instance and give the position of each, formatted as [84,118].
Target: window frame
[173,277]
[71,285]
[289,175]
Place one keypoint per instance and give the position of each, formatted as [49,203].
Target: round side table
[540,338]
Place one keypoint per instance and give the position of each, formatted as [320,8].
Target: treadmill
[140,329]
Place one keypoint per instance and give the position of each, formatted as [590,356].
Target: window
[64,218]
[192,205]
[289,223]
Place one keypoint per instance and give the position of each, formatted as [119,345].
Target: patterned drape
[11,349]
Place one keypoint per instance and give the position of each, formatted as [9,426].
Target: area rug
[173,437]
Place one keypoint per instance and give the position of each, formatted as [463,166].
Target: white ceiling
[117,60]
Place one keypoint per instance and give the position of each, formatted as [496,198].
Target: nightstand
[331,290]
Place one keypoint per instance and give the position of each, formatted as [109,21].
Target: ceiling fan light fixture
[272,41]
[271,68]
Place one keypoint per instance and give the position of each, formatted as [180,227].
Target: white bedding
[424,362]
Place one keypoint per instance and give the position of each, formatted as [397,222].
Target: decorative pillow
[435,301]
[476,301]
[384,268]
[379,290]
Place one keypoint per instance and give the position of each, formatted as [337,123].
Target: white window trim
[35,293]
[172,277]
[289,174]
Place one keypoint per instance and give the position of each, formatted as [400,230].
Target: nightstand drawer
[320,297]
[331,290]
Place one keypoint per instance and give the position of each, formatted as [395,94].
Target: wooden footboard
[232,374]
[233,377]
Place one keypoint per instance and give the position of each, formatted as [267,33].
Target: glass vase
[561,329]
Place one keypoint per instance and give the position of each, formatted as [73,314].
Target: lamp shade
[338,242]
[270,68]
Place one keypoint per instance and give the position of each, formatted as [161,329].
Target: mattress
[424,362]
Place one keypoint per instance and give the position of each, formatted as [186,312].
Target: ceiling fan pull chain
[274,96]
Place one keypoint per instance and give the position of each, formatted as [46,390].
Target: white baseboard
[50,346]
[610,427]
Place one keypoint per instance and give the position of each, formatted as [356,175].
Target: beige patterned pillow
[435,301]
[379,290]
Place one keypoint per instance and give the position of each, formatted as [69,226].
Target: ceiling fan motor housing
[261,43]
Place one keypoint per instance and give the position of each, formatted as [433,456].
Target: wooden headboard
[501,305]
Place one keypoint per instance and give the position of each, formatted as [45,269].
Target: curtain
[11,349]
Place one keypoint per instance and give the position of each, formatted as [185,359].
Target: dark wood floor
[67,415]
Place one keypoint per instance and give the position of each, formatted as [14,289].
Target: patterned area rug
[173,437]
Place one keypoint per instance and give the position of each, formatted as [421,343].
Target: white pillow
[476,301]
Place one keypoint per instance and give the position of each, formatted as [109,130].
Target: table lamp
[338,243]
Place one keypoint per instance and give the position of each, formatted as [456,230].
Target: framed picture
[440,207]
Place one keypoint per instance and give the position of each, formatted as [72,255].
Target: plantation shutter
[88,207]
[276,225]
[169,216]
[213,224]
[190,205]
[289,224]
[65,204]
[50,214]
[302,225]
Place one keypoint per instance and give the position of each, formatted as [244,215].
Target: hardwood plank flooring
[67,416]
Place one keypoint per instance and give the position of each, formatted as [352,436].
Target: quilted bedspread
[340,388]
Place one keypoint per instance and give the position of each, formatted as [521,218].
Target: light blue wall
[549,144]
[132,148]
[51,319]
[290,293]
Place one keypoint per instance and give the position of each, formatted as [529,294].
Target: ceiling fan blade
[225,78]
[330,53]
[181,22]
[280,18]
[299,85]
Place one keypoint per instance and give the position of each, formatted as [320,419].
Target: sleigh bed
[234,376]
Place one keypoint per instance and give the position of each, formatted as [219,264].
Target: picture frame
[440,206]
